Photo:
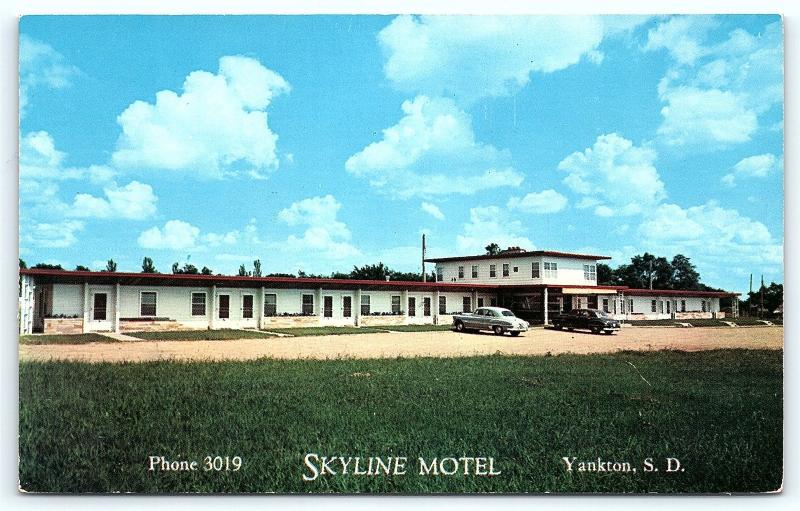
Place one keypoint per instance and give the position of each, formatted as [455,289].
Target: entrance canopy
[587,291]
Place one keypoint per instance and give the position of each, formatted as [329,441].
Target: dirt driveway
[410,344]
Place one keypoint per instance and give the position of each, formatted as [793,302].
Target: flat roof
[525,253]
[188,280]
[677,292]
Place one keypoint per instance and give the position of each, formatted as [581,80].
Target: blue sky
[322,142]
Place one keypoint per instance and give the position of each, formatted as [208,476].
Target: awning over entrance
[587,291]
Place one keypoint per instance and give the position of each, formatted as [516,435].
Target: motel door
[99,313]
[347,306]
[224,311]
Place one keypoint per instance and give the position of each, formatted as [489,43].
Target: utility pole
[761,292]
[750,298]
[424,277]
[651,274]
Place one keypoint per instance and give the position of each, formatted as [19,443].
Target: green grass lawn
[419,328]
[64,339]
[703,322]
[91,427]
[202,335]
[325,330]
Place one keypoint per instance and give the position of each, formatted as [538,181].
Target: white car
[496,319]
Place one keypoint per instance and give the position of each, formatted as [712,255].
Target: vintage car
[586,319]
[496,319]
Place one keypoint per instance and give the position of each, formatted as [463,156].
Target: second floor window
[461,272]
[505,270]
[474,271]
[589,272]
[492,271]
[535,270]
[439,274]
[550,270]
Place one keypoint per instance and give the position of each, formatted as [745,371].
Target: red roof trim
[254,280]
[546,253]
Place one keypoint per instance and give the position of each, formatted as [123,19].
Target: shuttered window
[198,304]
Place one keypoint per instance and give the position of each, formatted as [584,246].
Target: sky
[317,143]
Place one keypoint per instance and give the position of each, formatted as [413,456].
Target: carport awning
[587,291]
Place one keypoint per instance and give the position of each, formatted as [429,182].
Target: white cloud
[491,224]
[175,235]
[134,201]
[711,235]
[217,126]
[41,65]
[753,166]
[432,151]
[325,235]
[433,210]
[614,176]
[693,116]
[546,201]
[53,235]
[470,57]
[39,159]
[714,94]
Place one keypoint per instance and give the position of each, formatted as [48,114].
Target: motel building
[58,301]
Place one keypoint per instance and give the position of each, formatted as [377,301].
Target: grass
[325,330]
[64,339]
[702,322]
[202,335]
[91,427]
[419,328]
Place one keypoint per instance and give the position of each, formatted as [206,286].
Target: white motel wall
[57,301]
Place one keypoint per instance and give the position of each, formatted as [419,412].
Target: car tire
[514,334]
[570,329]
[608,332]
[557,326]
[498,330]
[460,326]
[595,330]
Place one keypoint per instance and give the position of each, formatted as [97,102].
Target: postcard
[363,254]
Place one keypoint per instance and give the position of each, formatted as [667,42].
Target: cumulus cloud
[325,235]
[546,201]
[53,234]
[175,235]
[134,201]
[715,93]
[614,176]
[753,166]
[216,126]
[470,57]
[41,66]
[39,159]
[491,224]
[433,210]
[712,235]
[432,151]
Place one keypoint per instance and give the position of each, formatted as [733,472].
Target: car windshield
[600,314]
[508,313]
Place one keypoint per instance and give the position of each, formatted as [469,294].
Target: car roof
[498,309]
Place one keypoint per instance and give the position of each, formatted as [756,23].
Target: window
[652,305]
[412,306]
[516,269]
[474,271]
[308,305]
[439,273]
[493,271]
[535,274]
[589,272]
[683,305]
[703,305]
[480,302]
[669,310]
[365,305]
[493,302]
[605,305]
[396,305]
[467,304]
[198,304]
[461,272]
[505,270]
[426,306]
[442,305]
[147,303]
[247,306]
[270,304]
[550,270]
[630,306]
[661,306]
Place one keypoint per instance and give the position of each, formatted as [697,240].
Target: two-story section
[526,280]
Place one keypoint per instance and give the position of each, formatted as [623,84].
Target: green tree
[242,271]
[492,249]
[111,266]
[46,266]
[605,275]
[148,266]
[257,268]
[642,270]
[371,272]
[22,264]
[81,267]
[206,271]
[684,274]
[187,268]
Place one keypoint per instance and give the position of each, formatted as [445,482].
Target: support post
[546,308]
[27,305]
[357,307]
[212,306]
[318,304]
[261,302]
[435,306]
[85,307]
[404,304]
[117,301]
[474,299]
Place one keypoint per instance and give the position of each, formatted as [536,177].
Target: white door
[99,312]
